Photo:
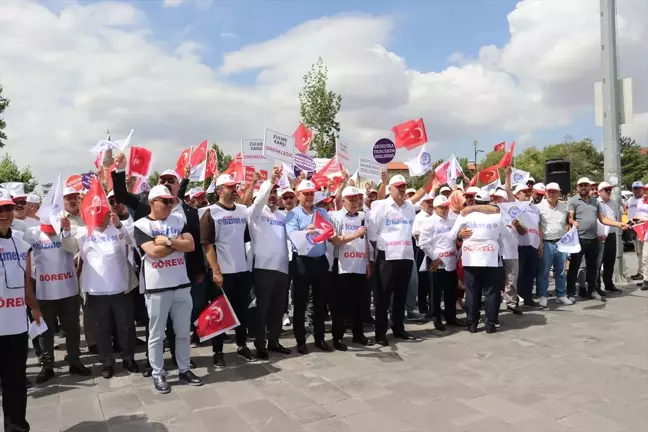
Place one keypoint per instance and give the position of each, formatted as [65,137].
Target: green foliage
[9,172]
[154,178]
[223,159]
[634,164]
[318,110]
[4,104]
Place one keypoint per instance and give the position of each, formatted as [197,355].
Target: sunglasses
[166,201]
[288,197]
[7,208]
[112,202]
[167,181]
[20,202]
[607,190]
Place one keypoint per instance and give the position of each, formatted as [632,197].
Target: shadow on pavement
[126,423]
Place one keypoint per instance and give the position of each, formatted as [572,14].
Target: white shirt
[436,240]
[553,220]
[268,234]
[229,229]
[632,206]
[530,219]
[13,310]
[352,257]
[608,211]
[54,268]
[509,242]
[18,227]
[482,248]
[419,219]
[390,227]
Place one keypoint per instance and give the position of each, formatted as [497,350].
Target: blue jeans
[551,256]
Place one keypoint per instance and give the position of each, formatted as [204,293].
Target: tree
[223,159]
[4,104]
[318,110]
[634,164]
[9,172]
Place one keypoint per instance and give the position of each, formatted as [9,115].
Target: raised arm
[119,185]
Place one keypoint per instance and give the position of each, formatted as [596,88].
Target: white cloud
[228,35]
[172,3]
[73,74]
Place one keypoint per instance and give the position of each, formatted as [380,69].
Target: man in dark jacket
[139,204]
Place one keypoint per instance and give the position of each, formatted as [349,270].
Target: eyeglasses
[20,202]
[166,201]
[7,208]
[167,180]
[112,202]
[607,190]
[288,197]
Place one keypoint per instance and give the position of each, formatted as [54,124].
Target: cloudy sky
[180,71]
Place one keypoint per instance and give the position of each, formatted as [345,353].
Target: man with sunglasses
[20,198]
[584,212]
[607,247]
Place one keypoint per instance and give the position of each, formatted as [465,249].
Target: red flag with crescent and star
[325,228]
[217,318]
[303,137]
[94,206]
[212,163]
[410,134]
[183,161]
[500,147]
[640,229]
[139,161]
[507,159]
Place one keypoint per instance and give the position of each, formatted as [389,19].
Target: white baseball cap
[604,185]
[593,182]
[70,191]
[521,187]
[287,190]
[530,179]
[372,191]
[17,190]
[397,180]
[159,191]
[110,194]
[170,173]
[539,188]
[225,180]
[306,186]
[410,190]
[5,197]
[445,188]
[472,190]
[428,197]
[441,201]
[321,197]
[482,196]
[33,199]
[553,186]
[351,191]
[583,180]
[501,193]
[196,192]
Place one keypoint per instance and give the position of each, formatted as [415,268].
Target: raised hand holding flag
[217,318]
[324,228]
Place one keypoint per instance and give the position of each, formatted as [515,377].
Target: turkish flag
[641,230]
[264,177]
[94,206]
[320,181]
[183,162]
[199,154]
[508,157]
[500,147]
[212,164]
[488,175]
[324,228]
[303,137]
[217,318]
[473,181]
[410,134]
[332,167]
[140,161]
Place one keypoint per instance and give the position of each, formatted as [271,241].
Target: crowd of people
[395,253]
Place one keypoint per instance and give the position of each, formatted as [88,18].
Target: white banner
[491,187]
[369,169]
[569,243]
[252,153]
[519,176]
[320,163]
[342,153]
[278,146]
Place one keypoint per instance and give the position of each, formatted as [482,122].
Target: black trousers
[528,261]
[309,275]
[478,281]
[609,259]
[105,309]
[371,291]
[67,311]
[13,365]
[348,294]
[393,279]
[444,284]
[589,248]
[237,287]
[423,282]
[270,288]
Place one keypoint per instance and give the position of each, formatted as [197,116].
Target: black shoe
[195,341]
[491,329]
[644,286]
[456,322]
[161,384]
[582,293]
[92,349]
[131,366]
[361,339]
[278,348]
[404,335]
[262,354]
[140,342]
[382,340]
[61,334]
[472,328]
[219,360]
[107,372]
[515,309]
[438,325]
[46,374]
[637,277]
[245,353]
[79,369]
[339,345]
[532,304]
[600,292]
[302,349]
[322,345]
[613,289]
[116,348]
[190,378]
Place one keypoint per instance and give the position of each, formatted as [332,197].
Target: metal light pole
[611,120]
[476,152]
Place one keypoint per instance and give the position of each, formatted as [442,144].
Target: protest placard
[252,153]
[278,146]
[342,153]
[369,169]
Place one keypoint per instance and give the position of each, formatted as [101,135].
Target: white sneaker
[543,301]
[572,299]
[564,301]
[286,320]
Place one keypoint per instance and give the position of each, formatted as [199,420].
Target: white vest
[437,241]
[352,257]
[170,272]
[105,259]
[230,238]
[54,268]
[482,248]
[13,310]
[530,218]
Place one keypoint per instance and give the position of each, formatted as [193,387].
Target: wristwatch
[169,243]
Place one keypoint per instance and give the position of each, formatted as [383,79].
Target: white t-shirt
[54,268]
[229,237]
[418,222]
[18,227]
[609,212]
[530,219]
[509,242]
[390,227]
[13,310]
[352,257]
[161,274]
[632,206]
[268,233]
[436,240]
[482,248]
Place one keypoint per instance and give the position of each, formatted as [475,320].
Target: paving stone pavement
[578,368]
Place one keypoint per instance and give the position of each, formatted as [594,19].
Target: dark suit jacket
[139,204]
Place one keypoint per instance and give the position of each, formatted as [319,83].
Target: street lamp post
[476,152]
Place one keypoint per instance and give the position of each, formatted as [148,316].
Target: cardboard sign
[305,162]
[370,169]
[278,146]
[342,153]
[252,153]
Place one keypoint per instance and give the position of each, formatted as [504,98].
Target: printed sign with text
[342,153]
[252,151]
[278,146]
[368,168]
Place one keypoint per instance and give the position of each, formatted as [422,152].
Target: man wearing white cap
[33,204]
[351,268]
[19,197]
[164,241]
[309,272]
[198,197]
[553,219]
[537,193]
[223,234]
[584,213]
[390,231]
[440,248]
[607,248]
[423,280]
[445,191]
